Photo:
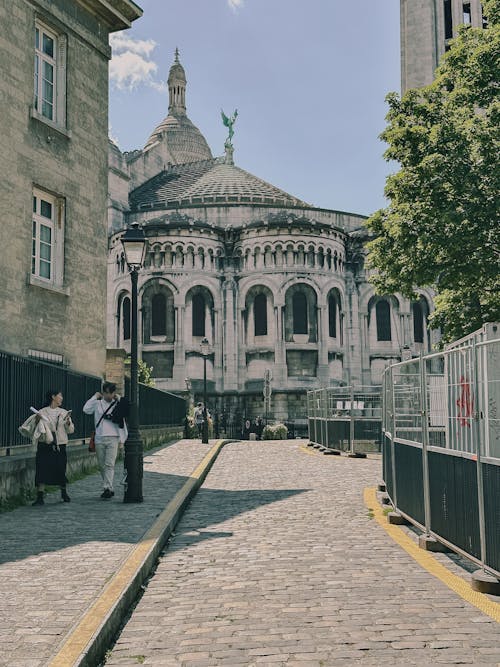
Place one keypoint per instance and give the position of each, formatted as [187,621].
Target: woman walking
[51,459]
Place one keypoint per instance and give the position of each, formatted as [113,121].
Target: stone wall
[69,161]
[17,472]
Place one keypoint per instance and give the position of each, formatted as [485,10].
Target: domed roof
[182,141]
[209,182]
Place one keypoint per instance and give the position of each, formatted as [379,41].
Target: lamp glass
[134,246]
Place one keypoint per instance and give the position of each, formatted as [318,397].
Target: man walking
[110,430]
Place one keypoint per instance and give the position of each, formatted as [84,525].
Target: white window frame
[58,63]
[56,226]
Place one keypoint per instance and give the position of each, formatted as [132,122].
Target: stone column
[323,339]
[217,347]
[280,373]
[179,371]
[230,334]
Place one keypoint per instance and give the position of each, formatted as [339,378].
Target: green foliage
[275,432]
[145,372]
[441,227]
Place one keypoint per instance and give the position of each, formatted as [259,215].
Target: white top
[97,407]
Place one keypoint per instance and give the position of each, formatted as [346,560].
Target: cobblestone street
[277,562]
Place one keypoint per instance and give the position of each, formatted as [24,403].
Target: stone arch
[158,313]
[123,310]
[257,315]
[383,325]
[200,314]
[335,315]
[301,322]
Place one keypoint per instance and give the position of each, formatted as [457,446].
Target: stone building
[53,137]
[271,282]
[426,28]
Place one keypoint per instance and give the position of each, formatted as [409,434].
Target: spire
[177,88]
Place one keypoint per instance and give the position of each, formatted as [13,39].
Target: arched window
[126,318]
[159,315]
[418,322]
[383,312]
[198,315]
[332,316]
[260,315]
[299,313]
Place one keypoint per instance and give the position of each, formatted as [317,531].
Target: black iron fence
[24,383]
[347,419]
[441,447]
[157,407]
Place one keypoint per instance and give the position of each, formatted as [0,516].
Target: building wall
[423,36]
[274,259]
[72,164]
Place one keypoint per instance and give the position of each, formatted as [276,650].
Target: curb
[87,642]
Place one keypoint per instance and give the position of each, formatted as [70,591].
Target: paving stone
[55,559]
[275,562]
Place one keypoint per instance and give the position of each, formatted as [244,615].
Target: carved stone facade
[270,281]
[426,27]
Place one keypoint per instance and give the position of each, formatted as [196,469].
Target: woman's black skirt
[50,464]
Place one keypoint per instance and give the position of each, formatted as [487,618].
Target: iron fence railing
[157,407]
[441,446]
[346,418]
[24,383]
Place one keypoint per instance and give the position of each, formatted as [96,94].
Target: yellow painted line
[81,635]
[306,450]
[426,560]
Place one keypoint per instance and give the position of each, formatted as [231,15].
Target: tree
[441,227]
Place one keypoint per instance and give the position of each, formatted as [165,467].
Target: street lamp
[134,246]
[205,349]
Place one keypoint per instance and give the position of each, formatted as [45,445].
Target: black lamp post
[134,246]
[205,349]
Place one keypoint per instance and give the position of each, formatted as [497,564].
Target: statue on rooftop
[229,122]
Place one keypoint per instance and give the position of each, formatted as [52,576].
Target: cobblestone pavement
[276,562]
[55,559]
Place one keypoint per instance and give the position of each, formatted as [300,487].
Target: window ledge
[39,282]
[53,126]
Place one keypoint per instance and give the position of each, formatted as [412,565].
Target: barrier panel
[347,419]
[441,446]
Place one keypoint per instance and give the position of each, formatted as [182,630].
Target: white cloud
[120,42]
[235,4]
[131,64]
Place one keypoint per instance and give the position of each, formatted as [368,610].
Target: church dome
[183,141]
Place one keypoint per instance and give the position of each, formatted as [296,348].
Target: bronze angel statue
[229,122]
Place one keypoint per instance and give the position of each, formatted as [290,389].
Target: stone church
[272,282]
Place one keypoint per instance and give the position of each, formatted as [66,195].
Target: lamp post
[134,246]
[205,349]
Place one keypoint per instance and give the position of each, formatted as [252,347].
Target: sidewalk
[55,559]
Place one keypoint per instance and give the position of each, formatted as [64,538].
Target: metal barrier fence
[346,418]
[24,382]
[441,444]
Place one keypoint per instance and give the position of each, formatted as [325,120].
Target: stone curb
[88,640]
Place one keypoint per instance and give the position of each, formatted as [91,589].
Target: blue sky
[308,78]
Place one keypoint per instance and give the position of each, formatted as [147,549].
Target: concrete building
[53,138]
[272,282]
[426,28]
